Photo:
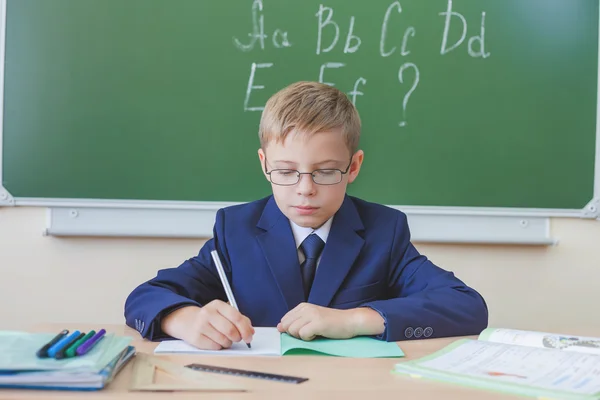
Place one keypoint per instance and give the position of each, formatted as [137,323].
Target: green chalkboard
[479,103]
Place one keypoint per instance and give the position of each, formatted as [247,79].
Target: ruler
[246,373]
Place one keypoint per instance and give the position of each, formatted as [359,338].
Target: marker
[90,343]
[43,352]
[71,350]
[66,341]
[225,282]
[62,353]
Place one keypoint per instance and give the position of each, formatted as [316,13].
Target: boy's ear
[357,160]
[262,159]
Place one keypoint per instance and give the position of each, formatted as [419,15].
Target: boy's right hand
[212,327]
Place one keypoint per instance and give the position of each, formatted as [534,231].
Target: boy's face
[306,203]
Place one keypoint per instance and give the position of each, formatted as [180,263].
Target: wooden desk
[330,377]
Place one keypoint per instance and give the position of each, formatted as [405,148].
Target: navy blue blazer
[368,261]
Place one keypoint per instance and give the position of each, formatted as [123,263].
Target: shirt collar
[300,232]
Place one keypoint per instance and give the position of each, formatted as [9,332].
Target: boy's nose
[306,186]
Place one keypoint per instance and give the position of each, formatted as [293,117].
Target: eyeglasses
[290,177]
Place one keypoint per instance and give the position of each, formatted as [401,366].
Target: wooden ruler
[145,369]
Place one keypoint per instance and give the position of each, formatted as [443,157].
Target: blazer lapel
[279,248]
[341,250]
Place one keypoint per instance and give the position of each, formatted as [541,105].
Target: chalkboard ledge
[195,220]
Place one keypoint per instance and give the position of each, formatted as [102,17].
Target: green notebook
[358,347]
[535,364]
[269,342]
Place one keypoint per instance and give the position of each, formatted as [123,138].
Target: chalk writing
[280,38]
[397,41]
[480,39]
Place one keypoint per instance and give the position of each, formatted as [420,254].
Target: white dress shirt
[300,233]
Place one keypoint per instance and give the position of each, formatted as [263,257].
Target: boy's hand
[213,327]
[307,321]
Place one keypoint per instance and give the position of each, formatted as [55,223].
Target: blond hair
[307,108]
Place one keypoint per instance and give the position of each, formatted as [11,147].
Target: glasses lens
[327,176]
[284,176]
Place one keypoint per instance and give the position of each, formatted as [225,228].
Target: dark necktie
[311,247]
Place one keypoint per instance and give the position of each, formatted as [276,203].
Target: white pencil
[225,282]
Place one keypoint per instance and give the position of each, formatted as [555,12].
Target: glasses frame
[299,174]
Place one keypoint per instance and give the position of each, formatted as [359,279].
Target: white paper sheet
[540,368]
[265,342]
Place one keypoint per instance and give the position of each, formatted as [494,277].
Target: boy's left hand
[307,321]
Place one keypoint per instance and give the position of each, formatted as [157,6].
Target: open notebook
[269,342]
[528,363]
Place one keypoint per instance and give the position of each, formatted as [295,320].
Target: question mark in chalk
[404,67]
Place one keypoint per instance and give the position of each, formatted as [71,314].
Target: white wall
[86,280]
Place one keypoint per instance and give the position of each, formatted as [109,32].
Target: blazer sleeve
[424,300]
[195,282]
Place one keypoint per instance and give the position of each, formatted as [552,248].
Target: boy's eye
[286,172]
[326,172]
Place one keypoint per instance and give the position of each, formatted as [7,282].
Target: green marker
[71,350]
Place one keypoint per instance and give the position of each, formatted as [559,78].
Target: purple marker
[90,343]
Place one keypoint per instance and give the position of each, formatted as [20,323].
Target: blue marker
[62,343]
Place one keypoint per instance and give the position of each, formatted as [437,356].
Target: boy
[309,259]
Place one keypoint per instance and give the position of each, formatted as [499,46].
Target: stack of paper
[21,368]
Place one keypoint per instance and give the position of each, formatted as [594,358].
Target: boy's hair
[308,108]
